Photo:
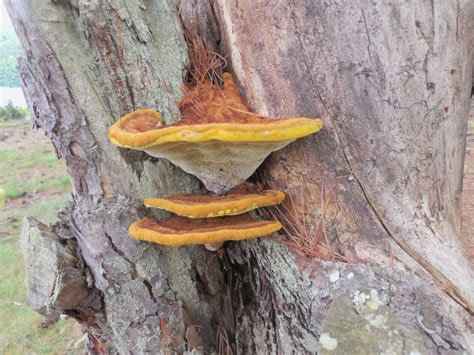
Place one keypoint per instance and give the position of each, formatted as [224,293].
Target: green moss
[470,127]
[365,325]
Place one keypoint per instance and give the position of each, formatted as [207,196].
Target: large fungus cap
[218,140]
[177,231]
[237,201]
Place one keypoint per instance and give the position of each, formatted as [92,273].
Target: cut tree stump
[392,82]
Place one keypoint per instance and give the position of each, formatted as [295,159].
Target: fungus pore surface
[177,231]
[218,140]
[239,200]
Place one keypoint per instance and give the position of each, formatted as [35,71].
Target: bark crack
[150,290]
[116,249]
[443,282]
[369,42]
[435,337]
[306,64]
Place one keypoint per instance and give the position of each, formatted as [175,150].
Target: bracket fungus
[178,231]
[239,200]
[222,143]
[218,140]
[197,225]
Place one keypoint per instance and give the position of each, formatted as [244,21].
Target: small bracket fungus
[218,140]
[177,231]
[198,226]
[237,201]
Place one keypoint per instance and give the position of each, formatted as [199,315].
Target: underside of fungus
[239,200]
[178,231]
[218,140]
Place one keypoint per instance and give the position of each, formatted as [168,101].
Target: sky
[13,94]
[5,24]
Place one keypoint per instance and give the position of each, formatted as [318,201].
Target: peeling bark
[392,83]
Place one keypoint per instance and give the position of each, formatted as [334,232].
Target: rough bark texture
[391,81]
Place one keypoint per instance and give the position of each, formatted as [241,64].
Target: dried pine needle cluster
[302,238]
[205,64]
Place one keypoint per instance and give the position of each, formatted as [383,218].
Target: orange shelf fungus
[218,140]
[237,201]
[222,143]
[178,231]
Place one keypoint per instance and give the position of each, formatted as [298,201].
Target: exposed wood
[55,280]
[395,103]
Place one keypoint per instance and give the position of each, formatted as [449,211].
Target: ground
[36,184]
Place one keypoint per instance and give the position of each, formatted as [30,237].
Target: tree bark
[391,81]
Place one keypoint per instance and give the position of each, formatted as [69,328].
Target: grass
[14,123]
[20,328]
[31,171]
[18,188]
[35,183]
[11,217]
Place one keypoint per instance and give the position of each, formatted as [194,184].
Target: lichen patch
[334,276]
[328,342]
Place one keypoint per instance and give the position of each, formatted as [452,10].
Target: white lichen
[359,298]
[378,322]
[334,276]
[374,302]
[328,342]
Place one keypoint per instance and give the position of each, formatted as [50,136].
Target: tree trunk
[380,184]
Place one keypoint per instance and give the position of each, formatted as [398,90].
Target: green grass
[28,166]
[27,159]
[14,123]
[45,210]
[12,190]
[29,172]
[18,188]
[2,197]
